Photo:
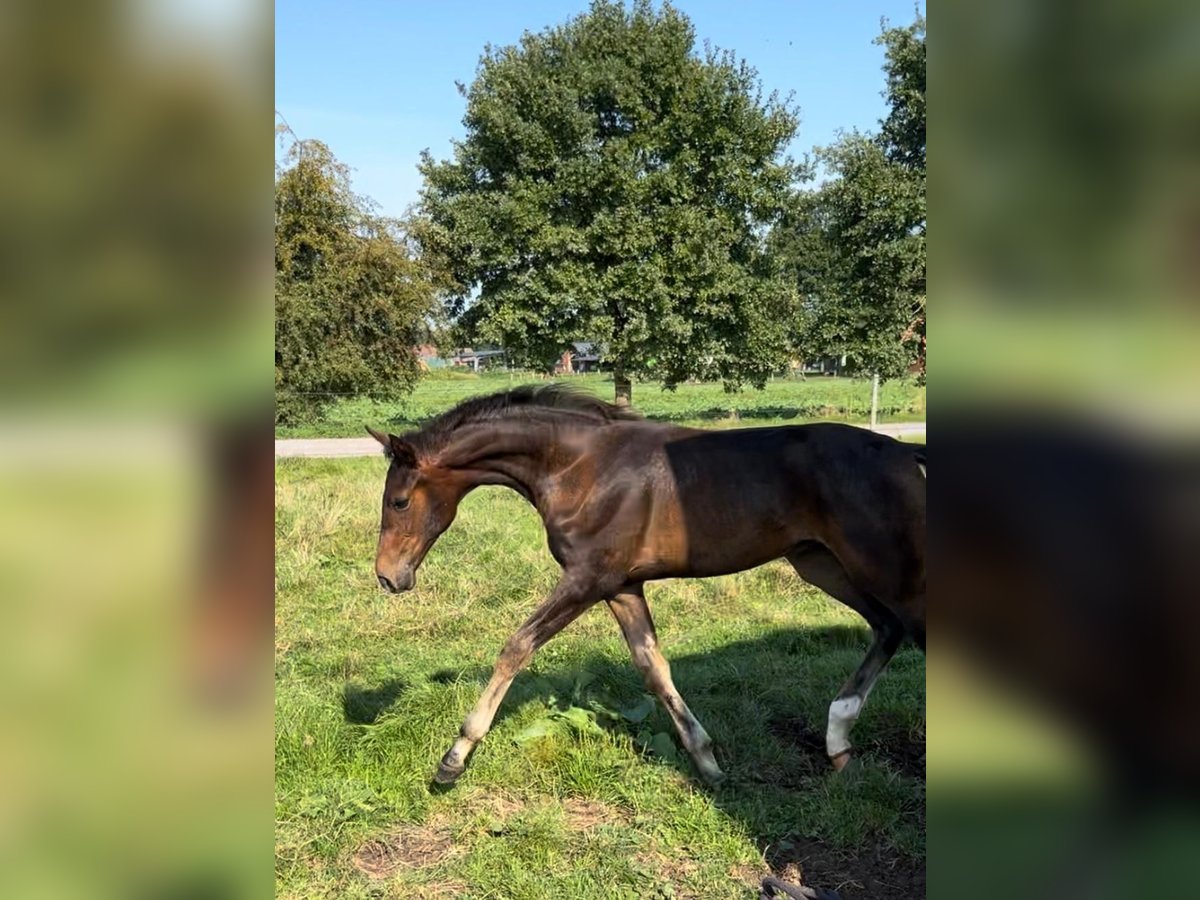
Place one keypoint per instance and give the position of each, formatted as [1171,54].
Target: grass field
[580,790]
[818,397]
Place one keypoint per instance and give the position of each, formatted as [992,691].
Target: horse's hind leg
[844,710]
[633,615]
[819,567]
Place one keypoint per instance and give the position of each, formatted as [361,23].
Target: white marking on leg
[457,757]
[922,468]
[842,714]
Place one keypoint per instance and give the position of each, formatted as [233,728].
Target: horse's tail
[919,456]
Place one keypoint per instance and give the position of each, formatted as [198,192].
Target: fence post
[874,401]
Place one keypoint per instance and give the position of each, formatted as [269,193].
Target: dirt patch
[406,847]
[674,869]
[874,874]
[584,815]
[437,890]
[492,806]
[749,875]
[493,810]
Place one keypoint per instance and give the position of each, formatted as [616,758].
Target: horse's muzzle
[404,581]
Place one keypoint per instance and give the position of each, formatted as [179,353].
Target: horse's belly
[711,560]
[678,545]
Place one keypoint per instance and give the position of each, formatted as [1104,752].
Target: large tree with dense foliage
[856,244]
[615,186]
[351,301]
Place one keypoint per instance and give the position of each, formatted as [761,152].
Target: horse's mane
[549,403]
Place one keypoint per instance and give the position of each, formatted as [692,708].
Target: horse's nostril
[386,584]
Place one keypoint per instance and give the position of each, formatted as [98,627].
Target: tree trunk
[624,388]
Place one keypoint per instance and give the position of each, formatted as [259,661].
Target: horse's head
[417,508]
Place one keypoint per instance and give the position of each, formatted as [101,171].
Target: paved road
[330,448]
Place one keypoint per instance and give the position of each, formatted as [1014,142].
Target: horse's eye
[401,503]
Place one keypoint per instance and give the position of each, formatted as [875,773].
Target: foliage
[614,186]
[863,259]
[903,131]
[856,244]
[903,137]
[350,300]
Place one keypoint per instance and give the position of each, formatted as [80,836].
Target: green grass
[371,689]
[818,397]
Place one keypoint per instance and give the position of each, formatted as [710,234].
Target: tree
[903,131]
[615,187]
[856,244]
[351,301]
[859,259]
[903,138]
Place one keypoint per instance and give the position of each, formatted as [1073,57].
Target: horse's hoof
[448,774]
[709,772]
[840,760]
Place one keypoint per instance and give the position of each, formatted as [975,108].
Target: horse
[626,501]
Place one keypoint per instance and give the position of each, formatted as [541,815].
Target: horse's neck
[515,456]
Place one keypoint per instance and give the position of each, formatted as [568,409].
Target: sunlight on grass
[371,689]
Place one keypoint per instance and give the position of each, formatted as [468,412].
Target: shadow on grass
[363,705]
[764,702]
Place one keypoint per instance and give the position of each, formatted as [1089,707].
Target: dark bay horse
[626,501]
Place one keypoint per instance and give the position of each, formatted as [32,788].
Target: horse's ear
[384,442]
[402,452]
[396,449]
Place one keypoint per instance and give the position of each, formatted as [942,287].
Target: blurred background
[1065,181]
[135,477]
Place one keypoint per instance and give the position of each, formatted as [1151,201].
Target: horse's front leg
[571,596]
[633,615]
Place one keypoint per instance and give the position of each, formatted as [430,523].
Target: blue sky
[375,80]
